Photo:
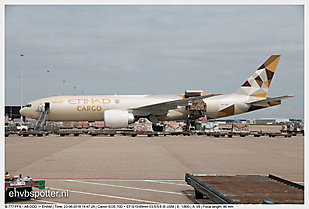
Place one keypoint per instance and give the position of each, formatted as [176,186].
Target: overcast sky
[153,50]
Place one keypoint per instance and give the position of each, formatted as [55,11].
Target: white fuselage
[120,110]
[91,108]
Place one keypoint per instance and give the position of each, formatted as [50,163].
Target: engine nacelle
[117,118]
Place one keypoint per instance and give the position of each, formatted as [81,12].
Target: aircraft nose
[22,111]
[25,112]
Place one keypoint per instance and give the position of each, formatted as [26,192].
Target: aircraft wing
[168,105]
[265,102]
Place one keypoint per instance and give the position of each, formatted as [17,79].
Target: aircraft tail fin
[259,82]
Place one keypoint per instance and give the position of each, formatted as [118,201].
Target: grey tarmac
[144,170]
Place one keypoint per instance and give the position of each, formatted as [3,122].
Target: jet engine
[117,118]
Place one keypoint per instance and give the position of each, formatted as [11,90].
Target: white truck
[21,126]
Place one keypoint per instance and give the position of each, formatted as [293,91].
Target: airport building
[270,121]
[260,121]
[12,112]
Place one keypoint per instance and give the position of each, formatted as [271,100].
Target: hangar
[12,112]
[270,120]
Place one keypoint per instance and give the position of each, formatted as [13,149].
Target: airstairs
[41,121]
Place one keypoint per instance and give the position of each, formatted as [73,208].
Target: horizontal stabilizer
[265,102]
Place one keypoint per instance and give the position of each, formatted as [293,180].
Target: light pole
[47,84]
[63,87]
[74,90]
[21,84]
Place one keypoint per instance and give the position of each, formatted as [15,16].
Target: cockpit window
[28,105]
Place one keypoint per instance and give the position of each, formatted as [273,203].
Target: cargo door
[196,109]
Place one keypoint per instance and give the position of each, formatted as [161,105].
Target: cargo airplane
[119,111]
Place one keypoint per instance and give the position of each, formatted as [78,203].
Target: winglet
[259,82]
